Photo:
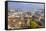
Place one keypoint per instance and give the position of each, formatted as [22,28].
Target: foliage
[33,23]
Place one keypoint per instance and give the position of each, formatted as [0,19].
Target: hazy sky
[32,6]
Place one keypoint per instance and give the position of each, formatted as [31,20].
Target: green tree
[33,23]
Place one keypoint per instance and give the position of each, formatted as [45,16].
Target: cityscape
[25,15]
